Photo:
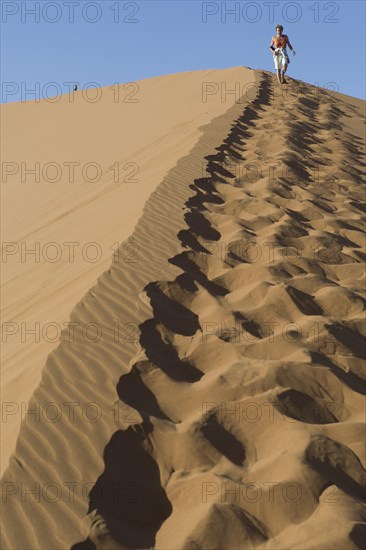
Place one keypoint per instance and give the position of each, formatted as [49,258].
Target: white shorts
[281,59]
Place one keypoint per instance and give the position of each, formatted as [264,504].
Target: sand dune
[72,223]
[222,404]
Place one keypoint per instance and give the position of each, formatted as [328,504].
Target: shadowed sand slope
[221,402]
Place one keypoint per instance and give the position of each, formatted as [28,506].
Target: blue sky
[115,41]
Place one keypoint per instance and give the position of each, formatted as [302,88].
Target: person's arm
[289,45]
[271,47]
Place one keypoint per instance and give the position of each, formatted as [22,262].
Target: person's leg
[286,62]
[283,73]
[277,62]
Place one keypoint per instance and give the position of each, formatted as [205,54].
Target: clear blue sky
[130,41]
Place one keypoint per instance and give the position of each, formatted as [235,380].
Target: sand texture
[221,405]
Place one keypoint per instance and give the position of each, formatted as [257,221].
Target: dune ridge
[232,411]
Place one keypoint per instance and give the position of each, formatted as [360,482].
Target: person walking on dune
[281,59]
